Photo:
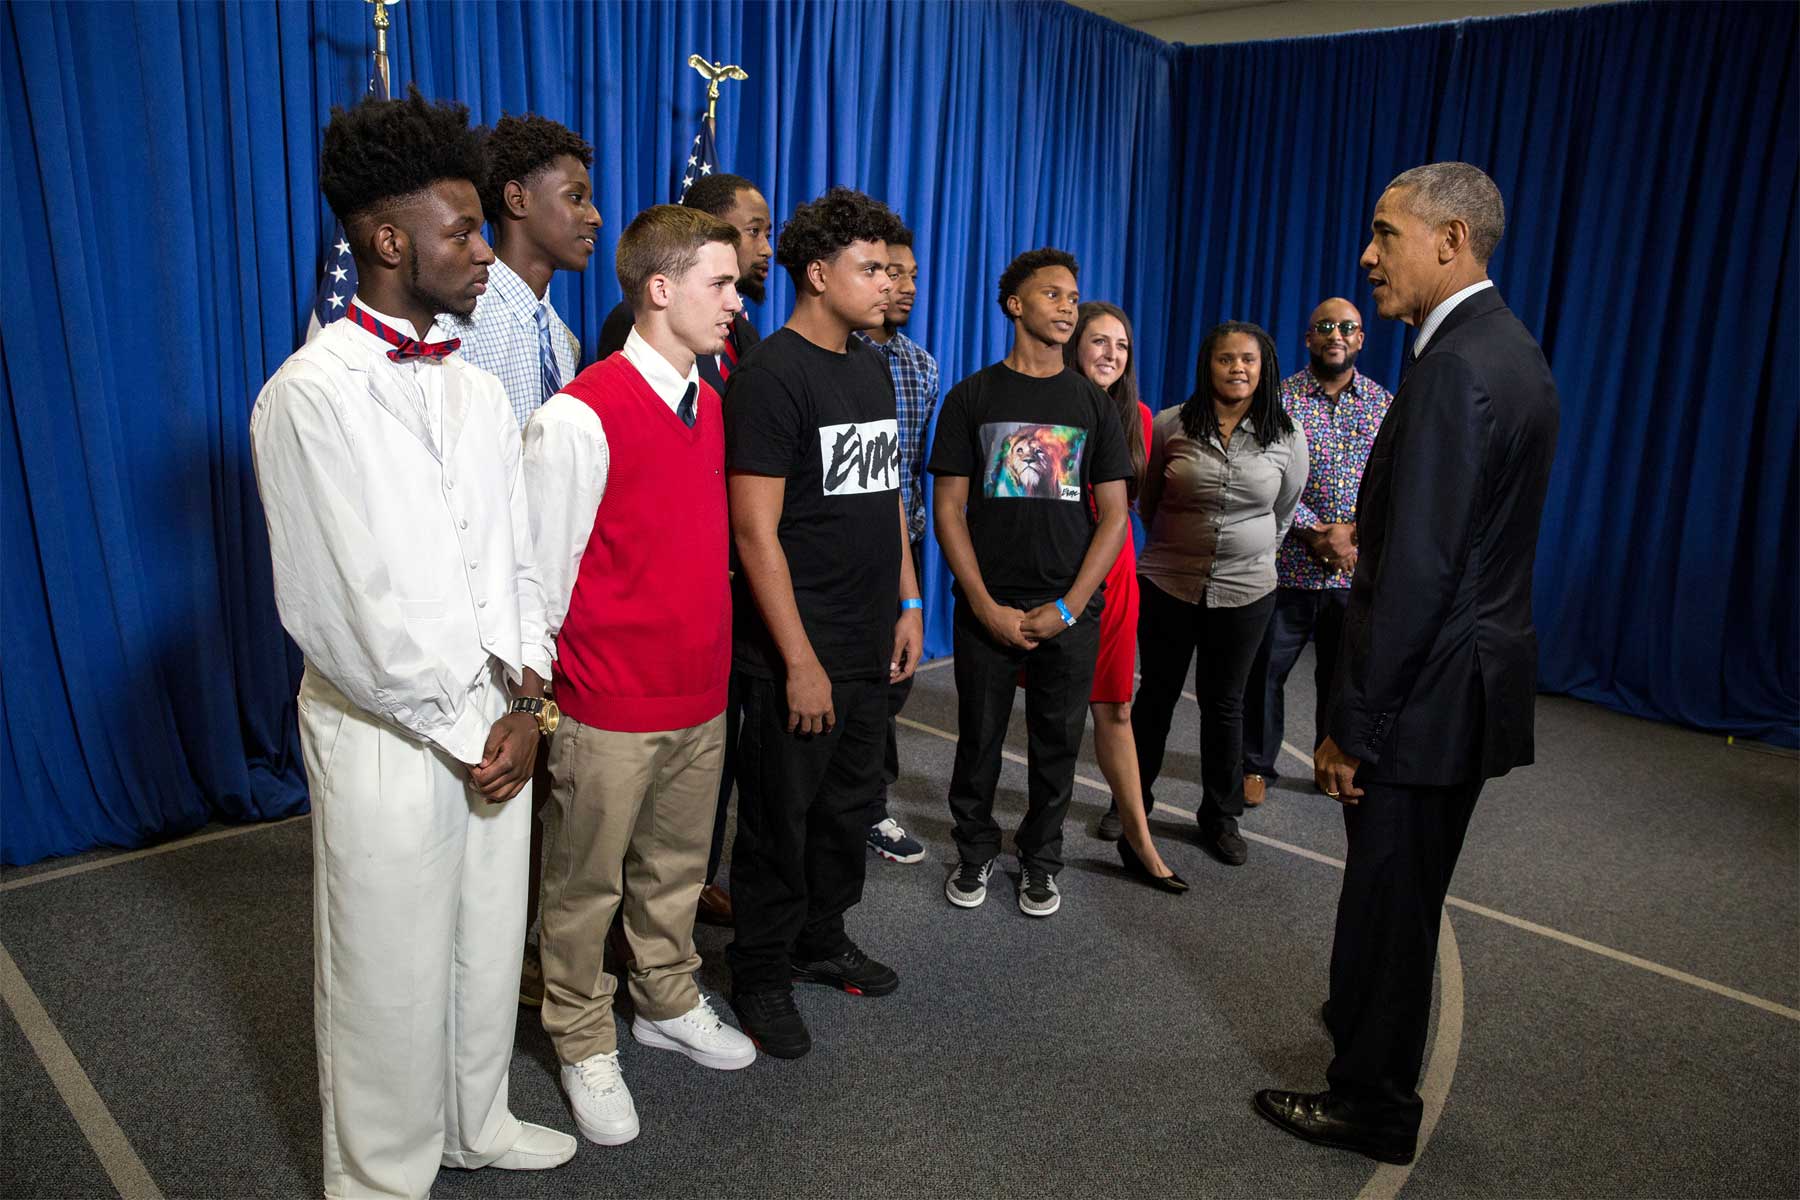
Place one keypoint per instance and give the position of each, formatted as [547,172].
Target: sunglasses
[1347,328]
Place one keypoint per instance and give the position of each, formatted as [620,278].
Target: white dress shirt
[566,461]
[1436,316]
[396,506]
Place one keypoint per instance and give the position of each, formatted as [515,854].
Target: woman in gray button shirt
[1224,474]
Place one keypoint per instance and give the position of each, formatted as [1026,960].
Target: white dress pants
[418,928]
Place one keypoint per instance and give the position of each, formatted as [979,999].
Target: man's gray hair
[1439,193]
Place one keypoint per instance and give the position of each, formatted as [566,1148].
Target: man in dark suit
[1434,689]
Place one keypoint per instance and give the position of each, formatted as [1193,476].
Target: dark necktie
[404,349]
[689,411]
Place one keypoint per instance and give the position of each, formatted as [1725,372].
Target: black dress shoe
[1223,842]
[770,1019]
[1322,1118]
[1109,829]
[853,971]
[1134,866]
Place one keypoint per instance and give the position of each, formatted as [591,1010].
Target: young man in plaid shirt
[915,375]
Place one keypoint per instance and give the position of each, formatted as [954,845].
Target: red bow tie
[404,348]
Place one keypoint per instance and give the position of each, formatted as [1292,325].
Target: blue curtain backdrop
[161,185]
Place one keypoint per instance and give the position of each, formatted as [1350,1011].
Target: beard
[751,289]
[459,306]
[1325,370]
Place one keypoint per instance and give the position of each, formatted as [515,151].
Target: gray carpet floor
[1110,1050]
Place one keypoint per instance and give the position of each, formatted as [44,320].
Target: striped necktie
[552,375]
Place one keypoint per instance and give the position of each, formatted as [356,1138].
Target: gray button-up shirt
[1217,514]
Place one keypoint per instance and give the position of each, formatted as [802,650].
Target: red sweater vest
[646,646]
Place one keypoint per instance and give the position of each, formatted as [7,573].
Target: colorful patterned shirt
[915,375]
[1338,436]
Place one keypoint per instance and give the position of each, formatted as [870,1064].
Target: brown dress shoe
[1254,789]
[714,907]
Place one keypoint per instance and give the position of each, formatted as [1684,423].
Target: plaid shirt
[501,337]
[1338,437]
[915,375]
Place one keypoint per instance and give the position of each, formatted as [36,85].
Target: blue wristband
[914,603]
[1067,616]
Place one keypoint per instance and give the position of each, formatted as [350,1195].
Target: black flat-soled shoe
[1322,1118]
[1172,883]
[1223,841]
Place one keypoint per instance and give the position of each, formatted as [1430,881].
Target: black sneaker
[967,885]
[772,1022]
[1109,829]
[852,970]
[1223,841]
[1038,893]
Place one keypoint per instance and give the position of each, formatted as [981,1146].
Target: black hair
[1124,390]
[519,148]
[821,229]
[901,237]
[1020,269]
[1266,410]
[381,151]
[716,194]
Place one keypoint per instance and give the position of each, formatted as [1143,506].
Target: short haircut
[1439,193]
[823,228]
[716,194]
[901,237]
[521,147]
[378,153]
[1021,268]
[666,240]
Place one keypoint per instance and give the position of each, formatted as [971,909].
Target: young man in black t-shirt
[826,614]
[1020,447]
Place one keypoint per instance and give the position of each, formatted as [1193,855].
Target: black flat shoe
[1134,866]
[1322,1118]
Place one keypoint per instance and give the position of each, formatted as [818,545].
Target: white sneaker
[699,1034]
[536,1149]
[602,1103]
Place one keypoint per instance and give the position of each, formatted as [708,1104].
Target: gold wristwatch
[542,710]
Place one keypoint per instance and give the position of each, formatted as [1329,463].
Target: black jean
[1170,632]
[897,694]
[1403,846]
[734,722]
[804,803]
[1301,615]
[1059,674]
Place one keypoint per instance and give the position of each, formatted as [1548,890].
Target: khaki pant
[629,821]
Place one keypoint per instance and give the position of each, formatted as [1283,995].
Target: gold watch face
[549,717]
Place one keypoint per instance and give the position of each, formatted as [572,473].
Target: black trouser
[897,694]
[1301,614]
[1403,845]
[734,720]
[1169,633]
[803,819]
[1059,674]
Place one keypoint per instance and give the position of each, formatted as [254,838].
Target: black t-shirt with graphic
[1031,449]
[825,422]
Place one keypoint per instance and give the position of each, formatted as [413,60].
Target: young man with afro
[391,479]
[539,204]
[826,611]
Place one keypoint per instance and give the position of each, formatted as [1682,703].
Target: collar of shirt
[668,384]
[398,324]
[1311,386]
[509,287]
[891,347]
[1437,315]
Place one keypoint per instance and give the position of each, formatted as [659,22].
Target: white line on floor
[132,856]
[123,1166]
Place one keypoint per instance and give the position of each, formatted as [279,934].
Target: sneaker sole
[797,1050]
[607,1137]
[1044,911]
[899,858]
[802,975]
[646,1034]
[961,901]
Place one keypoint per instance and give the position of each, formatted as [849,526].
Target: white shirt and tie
[1444,308]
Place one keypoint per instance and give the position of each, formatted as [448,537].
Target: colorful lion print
[1033,461]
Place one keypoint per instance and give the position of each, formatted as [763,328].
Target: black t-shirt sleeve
[952,451]
[614,331]
[764,427]
[1110,459]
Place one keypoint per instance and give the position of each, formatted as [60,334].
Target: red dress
[1119,619]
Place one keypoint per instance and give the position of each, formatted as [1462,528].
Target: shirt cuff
[467,739]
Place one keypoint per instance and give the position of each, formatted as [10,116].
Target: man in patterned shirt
[539,204]
[915,375]
[1340,409]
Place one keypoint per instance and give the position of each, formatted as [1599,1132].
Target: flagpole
[713,72]
[382,22]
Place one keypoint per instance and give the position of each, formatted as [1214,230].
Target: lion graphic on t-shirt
[1039,461]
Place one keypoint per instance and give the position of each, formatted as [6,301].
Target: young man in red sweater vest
[625,468]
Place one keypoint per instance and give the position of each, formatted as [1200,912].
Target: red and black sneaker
[772,1022]
[853,971]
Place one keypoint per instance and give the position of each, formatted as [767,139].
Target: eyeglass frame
[1324,328]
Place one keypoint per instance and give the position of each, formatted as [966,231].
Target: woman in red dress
[1101,349]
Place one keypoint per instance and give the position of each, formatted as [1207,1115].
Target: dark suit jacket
[1437,676]
[618,327]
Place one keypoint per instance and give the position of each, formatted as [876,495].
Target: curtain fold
[161,186]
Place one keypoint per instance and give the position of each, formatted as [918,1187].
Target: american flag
[702,159]
[337,283]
